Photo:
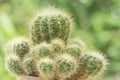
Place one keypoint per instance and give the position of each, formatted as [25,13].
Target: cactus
[18,46]
[29,66]
[41,50]
[52,56]
[46,67]
[52,24]
[13,65]
[57,45]
[92,63]
[66,65]
[74,50]
[78,43]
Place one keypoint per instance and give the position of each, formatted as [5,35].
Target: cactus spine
[52,56]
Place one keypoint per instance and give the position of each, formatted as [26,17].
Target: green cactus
[93,63]
[41,50]
[52,56]
[66,65]
[18,46]
[74,50]
[57,45]
[53,24]
[46,67]
[13,65]
[29,66]
[78,42]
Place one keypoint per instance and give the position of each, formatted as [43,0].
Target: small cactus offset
[13,65]
[66,65]
[46,67]
[30,68]
[41,50]
[92,63]
[57,45]
[19,47]
[74,50]
[51,55]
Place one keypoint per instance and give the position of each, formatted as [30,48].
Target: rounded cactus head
[50,24]
[57,45]
[74,50]
[19,46]
[93,63]
[29,66]
[77,42]
[66,65]
[41,50]
[13,65]
[46,67]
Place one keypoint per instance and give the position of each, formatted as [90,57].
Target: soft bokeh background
[97,22]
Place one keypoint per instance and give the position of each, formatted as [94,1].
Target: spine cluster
[49,54]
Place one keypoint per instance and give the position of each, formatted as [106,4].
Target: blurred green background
[97,22]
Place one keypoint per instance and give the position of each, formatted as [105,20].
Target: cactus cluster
[49,54]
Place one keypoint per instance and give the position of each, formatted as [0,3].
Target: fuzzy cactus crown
[49,53]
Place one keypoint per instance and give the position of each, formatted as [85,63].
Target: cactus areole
[48,54]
